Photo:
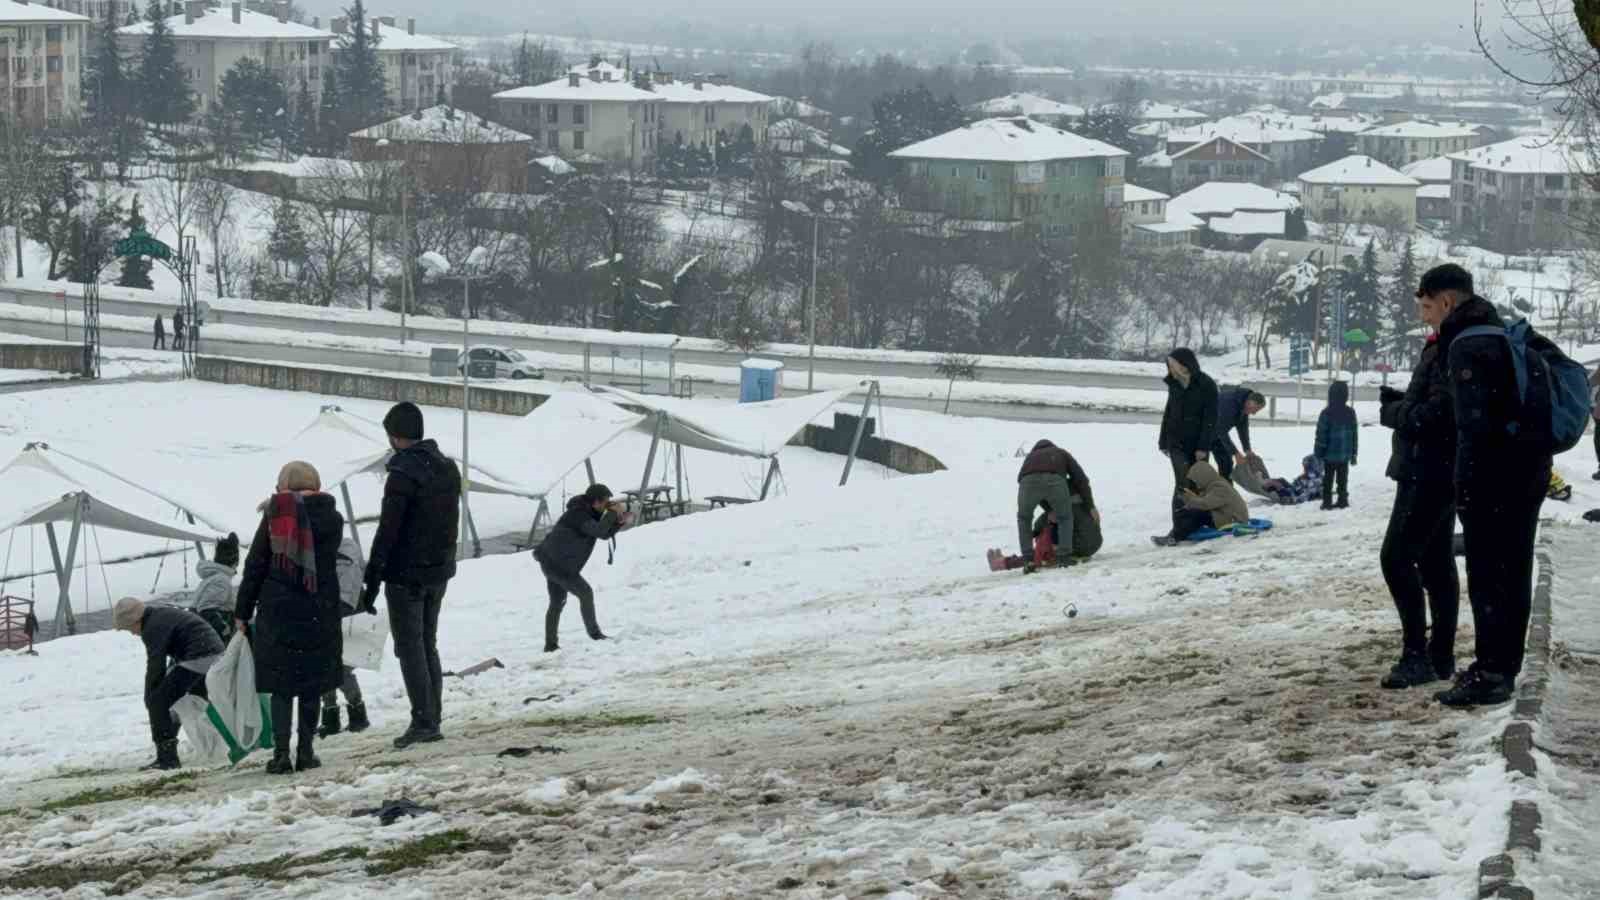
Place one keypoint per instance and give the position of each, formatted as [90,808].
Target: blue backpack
[1554,390]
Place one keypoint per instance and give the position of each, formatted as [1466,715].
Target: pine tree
[89,242]
[330,139]
[250,102]
[287,244]
[164,97]
[133,13]
[1363,303]
[1402,299]
[135,269]
[364,100]
[302,131]
[105,87]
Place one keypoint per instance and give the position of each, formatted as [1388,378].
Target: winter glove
[1390,395]
[369,598]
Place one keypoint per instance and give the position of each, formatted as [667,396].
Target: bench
[719,502]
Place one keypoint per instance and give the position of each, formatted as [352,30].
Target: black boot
[358,718]
[280,764]
[305,758]
[1413,669]
[330,722]
[166,756]
[1475,687]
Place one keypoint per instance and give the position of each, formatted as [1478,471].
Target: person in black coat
[290,590]
[180,647]
[1500,485]
[413,558]
[1417,558]
[1189,424]
[589,517]
[1235,406]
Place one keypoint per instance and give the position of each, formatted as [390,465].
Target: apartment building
[706,106]
[1524,193]
[1403,143]
[41,56]
[416,66]
[595,114]
[1358,188]
[1290,149]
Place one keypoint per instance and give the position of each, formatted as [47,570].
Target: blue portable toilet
[760,379]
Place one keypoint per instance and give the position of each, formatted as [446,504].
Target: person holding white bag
[190,644]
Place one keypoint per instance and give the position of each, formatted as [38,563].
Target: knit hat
[227,551]
[404,421]
[128,612]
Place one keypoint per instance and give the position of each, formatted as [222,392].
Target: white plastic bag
[236,710]
[205,741]
[364,639]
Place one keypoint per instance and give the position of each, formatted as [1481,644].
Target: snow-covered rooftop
[1334,100]
[585,89]
[790,107]
[1167,227]
[1218,139]
[12,11]
[1025,104]
[397,40]
[442,125]
[1151,111]
[686,92]
[555,165]
[1532,155]
[1132,193]
[1223,197]
[1358,169]
[1423,129]
[1008,140]
[796,130]
[217,22]
[1429,171]
[1160,159]
[1434,191]
[1243,129]
[1242,224]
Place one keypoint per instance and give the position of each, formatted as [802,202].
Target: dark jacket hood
[1476,311]
[421,461]
[1339,394]
[578,502]
[1187,359]
[1042,445]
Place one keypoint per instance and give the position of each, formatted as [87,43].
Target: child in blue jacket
[1338,437]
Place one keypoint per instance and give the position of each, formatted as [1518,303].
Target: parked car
[508,363]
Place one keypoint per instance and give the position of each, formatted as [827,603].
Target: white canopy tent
[44,486]
[754,430]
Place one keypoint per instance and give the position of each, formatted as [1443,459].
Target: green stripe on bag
[235,752]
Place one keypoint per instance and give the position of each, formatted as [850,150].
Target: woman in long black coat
[291,589]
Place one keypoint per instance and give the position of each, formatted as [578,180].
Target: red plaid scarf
[289,528]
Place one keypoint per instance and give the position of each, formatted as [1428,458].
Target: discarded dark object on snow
[1592,515]
[479,669]
[392,810]
[545,698]
[524,752]
[1071,610]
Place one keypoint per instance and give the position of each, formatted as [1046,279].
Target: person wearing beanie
[1189,423]
[412,560]
[214,596]
[565,550]
[180,647]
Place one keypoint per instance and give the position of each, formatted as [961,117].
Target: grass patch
[278,868]
[594,721]
[66,876]
[139,790]
[424,851]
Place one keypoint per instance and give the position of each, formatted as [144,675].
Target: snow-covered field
[822,696]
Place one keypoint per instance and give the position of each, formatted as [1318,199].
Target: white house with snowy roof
[1015,170]
[450,150]
[1031,105]
[1523,193]
[1145,221]
[702,108]
[1433,197]
[44,53]
[211,40]
[1290,148]
[1236,215]
[1403,143]
[417,68]
[587,114]
[1358,188]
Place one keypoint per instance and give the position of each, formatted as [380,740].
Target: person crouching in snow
[1338,440]
[214,597]
[350,580]
[168,633]
[291,578]
[1086,540]
[1208,502]
[1050,475]
[589,517]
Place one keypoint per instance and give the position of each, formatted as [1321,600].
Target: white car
[508,363]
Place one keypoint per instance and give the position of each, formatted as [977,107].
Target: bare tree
[22,169]
[1391,224]
[332,229]
[174,195]
[215,211]
[954,367]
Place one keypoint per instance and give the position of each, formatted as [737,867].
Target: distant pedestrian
[1338,441]
[291,591]
[589,517]
[179,649]
[177,330]
[413,558]
[1235,406]
[1189,424]
[161,334]
[1500,485]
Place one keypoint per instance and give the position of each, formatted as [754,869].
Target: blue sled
[1254,526]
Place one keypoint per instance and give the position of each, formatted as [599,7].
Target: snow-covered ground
[826,695]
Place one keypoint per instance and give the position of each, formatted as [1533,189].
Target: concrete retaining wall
[46,357]
[902,458]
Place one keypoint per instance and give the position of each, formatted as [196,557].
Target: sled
[1243,529]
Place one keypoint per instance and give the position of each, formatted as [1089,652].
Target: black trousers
[1597,441]
[414,622]
[560,584]
[284,707]
[1187,521]
[161,342]
[1418,560]
[1181,464]
[1341,473]
[1500,534]
[1222,456]
[351,688]
[158,701]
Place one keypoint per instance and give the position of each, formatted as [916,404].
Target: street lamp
[795,206]
[440,267]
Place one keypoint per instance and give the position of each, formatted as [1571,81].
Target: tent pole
[650,461]
[544,510]
[55,561]
[198,547]
[767,482]
[861,427]
[588,466]
[472,529]
[677,452]
[64,573]
[350,517]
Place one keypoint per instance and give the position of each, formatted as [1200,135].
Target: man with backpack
[1515,404]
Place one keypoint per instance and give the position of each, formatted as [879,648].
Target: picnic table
[653,503]
[720,501]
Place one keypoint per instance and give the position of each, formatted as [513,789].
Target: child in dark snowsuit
[349,605]
[1338,436]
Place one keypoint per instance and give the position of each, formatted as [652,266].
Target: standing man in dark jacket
[1235,406]
[161,334]
[589,517]
[191,645]
[1189,424]
[1417,556]
[1500,484]
[413,557]
[177,330]
[1050,475]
